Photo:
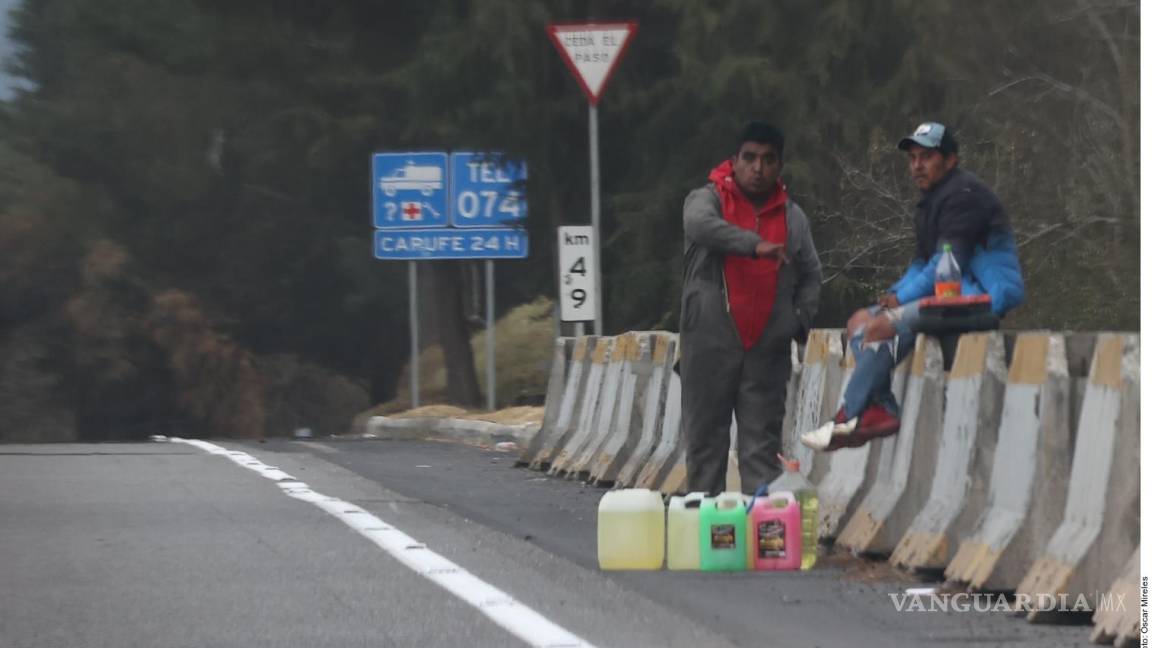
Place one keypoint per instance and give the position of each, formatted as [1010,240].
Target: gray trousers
[720,378]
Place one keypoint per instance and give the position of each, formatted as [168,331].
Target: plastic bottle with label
[947,274]
[805,493]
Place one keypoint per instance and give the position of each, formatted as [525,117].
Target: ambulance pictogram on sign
[409,190]
[592,51]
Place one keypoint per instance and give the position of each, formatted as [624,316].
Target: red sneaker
[877,422]
[840,417]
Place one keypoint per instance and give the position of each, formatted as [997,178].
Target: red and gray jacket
[728,292]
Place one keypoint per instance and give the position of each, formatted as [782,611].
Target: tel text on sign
[487,190]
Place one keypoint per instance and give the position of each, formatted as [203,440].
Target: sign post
[592,51]
[410,190]
[489,192]
[415,220]
[414,335]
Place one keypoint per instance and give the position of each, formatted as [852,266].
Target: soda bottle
[947,274]
[805,493]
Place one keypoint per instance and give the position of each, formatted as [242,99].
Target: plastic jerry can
[806,496]
[630,529]
[774,531]
[723,533]
[684,531]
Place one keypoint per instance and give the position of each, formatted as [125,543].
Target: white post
[594,157]
[490,334]
[414,334]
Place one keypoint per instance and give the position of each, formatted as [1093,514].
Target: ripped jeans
[871,382]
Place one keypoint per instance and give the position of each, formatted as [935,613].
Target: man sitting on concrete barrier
[955,209]
[751,285]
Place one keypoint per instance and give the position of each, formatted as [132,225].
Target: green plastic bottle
[805,493]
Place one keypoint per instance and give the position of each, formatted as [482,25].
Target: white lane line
[504,610]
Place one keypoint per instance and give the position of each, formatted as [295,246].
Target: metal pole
[594,156]
[490,335]
[414,334]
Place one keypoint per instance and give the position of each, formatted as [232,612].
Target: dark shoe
[877,422]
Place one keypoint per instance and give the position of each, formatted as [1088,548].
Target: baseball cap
[931,135]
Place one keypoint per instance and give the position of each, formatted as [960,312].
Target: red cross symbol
[411,211]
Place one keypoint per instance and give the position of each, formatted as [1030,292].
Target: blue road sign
[445,243]
[409,190]
[487,191]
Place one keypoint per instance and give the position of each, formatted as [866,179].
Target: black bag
[955,315]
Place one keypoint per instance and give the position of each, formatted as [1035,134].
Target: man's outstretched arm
[705,226]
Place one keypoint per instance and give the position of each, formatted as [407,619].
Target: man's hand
[766,250]
[888,300]
[859,320]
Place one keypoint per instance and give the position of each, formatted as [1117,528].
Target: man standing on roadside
[751,285]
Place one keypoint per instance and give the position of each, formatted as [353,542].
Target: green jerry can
[723,533]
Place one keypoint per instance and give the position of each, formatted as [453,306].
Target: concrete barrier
[676,483]
[974,398]
[589,412]
[852,471]
[553,397]
[787,429]
[612,398]
[906,461]
[1100,528]
[732,474]
[669,449]
[1034,432]
[627,424]
[981,478]
[816,398]
[567,418]
[655,401]
[1119,624]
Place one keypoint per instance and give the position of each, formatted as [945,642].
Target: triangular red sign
[592,51]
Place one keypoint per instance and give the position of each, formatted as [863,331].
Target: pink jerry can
[774,532]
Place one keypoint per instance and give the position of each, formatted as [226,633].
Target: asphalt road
[163,544]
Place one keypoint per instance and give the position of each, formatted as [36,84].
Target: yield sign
[592,51]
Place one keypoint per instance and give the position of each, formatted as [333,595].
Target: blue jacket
[962,211]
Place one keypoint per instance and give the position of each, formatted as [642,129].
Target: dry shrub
[303,395]
[105,261]
[121,384]
[524,340]
[217,384]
